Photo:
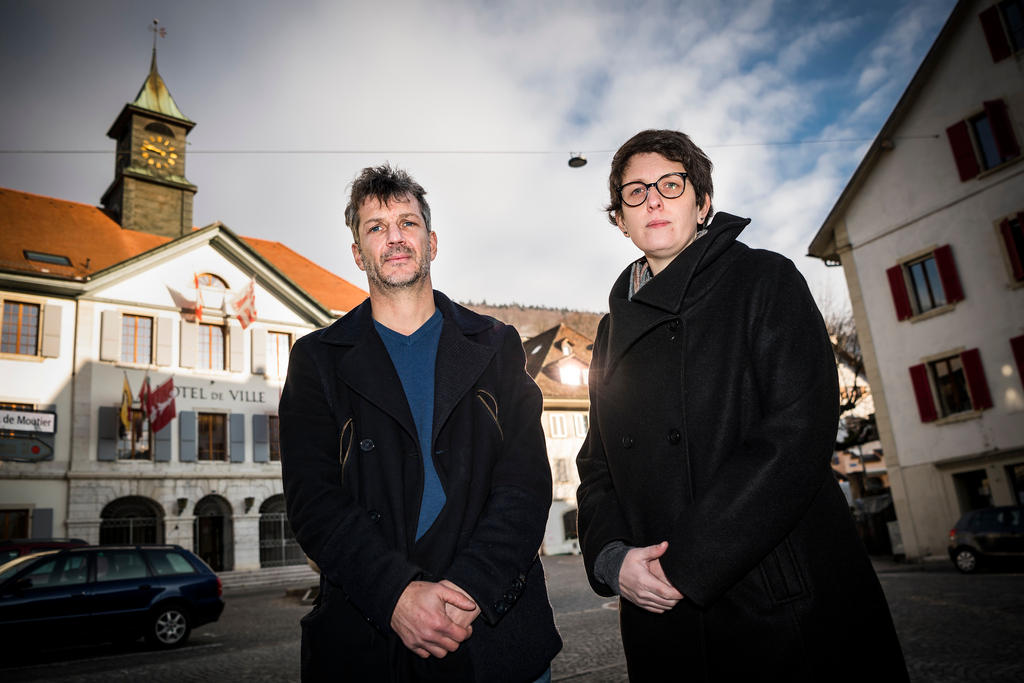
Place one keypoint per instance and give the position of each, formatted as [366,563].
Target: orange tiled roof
[93,241]
[321,284]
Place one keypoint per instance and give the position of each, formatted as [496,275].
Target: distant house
[929,235]
[97,297]
[558,359]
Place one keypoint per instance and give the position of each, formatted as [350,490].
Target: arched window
[160,129]
[278,546]
[211,281]
[131,520]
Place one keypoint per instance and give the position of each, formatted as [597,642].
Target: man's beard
[382,282]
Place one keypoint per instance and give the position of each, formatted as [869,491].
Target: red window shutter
[923,393]
[980,397]
[1017,344]
[947,273]
[1002,129]
[900,297]
[963,150]
[998,45]
[1011,246]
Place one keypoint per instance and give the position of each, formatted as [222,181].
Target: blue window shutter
[260,439]
[42,523]
[106,450]
[237,433]
[187,436]
[162,446]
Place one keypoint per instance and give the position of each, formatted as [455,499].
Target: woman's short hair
[384,184]
[672,145]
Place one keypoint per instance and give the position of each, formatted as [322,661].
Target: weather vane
[157,30]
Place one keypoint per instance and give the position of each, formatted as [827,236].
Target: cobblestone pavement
[953,628]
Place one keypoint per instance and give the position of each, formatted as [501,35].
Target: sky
[482,102]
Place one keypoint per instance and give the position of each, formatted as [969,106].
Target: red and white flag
[244,305]
[159,406]
[199,299]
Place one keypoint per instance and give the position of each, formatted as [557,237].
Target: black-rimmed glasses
[670,186]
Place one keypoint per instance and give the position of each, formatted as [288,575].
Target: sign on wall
[34,421]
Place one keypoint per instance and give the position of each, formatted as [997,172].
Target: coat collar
[663,297]
[367,368]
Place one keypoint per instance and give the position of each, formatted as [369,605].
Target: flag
[144,393]
[244,305]
[161,408]
[198,310]
[126,405]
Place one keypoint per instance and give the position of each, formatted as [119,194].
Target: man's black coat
[353,478]
[714,411]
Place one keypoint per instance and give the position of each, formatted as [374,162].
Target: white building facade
[928,232]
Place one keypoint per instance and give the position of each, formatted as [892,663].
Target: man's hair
[384,184]
[672,145]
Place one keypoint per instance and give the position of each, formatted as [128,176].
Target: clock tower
[150,191]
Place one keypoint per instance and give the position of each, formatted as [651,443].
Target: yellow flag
[126,405]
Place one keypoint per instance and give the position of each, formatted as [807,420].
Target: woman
[707,500]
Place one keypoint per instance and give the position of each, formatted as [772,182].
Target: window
[1012,231]
[951,385]
[582,423]
[983,141]
[274,437]
[1003,25]
[925,283]
[20,328]
[212,281]
[211,347]
[43,257]
[168,562]
[137,443]
[278,344]
[136,339]
[213,436]
[117,565]
[562,471]
[1017,346]
[558,426]
[13,524]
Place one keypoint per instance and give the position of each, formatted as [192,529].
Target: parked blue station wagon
[95,593]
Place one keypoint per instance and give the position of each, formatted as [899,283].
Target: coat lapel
[367,368]
[460,362]
[661,299]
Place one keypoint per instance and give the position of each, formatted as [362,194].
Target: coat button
[674,437]
[375,515]
[627,441]
[366,445]
[674,325]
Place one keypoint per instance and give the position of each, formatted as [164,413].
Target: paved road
[953,628]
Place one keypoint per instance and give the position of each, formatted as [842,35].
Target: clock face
[159,153]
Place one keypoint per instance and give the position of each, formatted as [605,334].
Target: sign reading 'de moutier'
[36,421]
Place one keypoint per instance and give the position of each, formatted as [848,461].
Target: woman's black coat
[714,411]
[353,478]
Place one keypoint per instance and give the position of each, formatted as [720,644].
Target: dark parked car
[96,593]
[986,536]
[16,547]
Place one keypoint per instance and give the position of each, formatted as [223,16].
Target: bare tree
[842,331]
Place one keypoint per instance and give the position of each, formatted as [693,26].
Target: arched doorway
[213,538]
[278,546]
[131,520]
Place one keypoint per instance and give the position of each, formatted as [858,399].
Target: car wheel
[966,560]
[169,626]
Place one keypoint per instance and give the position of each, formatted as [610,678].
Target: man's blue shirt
[414,357]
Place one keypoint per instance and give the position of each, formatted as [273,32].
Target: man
[415,471]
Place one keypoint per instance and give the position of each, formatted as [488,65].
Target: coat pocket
[491,405]
[781,574]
